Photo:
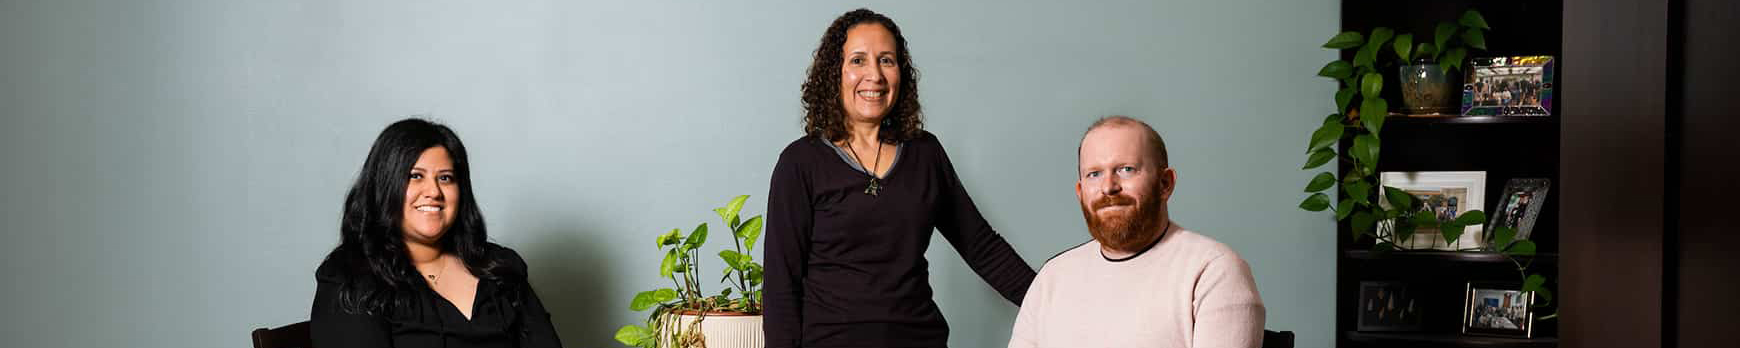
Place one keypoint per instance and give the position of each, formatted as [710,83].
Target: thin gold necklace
[875,187]
[435,279]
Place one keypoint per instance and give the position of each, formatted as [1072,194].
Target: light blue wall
[172,170]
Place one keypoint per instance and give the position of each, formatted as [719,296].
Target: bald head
[1155,146]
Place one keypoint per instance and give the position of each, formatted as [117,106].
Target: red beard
[1129,230]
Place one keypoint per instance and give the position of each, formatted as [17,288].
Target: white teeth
[870,94]
[429,208]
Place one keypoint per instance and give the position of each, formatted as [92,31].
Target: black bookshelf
[1503,147]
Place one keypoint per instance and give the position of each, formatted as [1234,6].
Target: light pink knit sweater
[1188,291]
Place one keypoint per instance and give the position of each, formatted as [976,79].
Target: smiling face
[1122,187]
[869,74]
[431,197]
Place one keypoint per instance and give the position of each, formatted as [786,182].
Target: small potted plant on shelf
[1424,69]
[683,315]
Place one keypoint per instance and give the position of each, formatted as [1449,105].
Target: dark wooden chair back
[1277,339]
[287,336]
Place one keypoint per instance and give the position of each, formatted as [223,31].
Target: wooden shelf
[1399,119]
[1445,256]
[1415,339]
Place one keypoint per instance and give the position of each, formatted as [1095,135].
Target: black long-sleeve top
[847,269]
[429,320]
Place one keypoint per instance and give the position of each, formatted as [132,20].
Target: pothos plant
[1359,117]
[681,265]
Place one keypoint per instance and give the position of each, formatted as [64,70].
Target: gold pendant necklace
[435,279]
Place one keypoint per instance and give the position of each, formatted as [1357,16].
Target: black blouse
[432,321]
[845,268]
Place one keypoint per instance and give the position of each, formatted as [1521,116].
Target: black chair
[287,336]
[1277,339]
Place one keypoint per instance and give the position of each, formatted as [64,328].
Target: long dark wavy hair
[825,115]
[372,252]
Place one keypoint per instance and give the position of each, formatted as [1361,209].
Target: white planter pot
[726,331]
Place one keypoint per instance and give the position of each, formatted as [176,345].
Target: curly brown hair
[824,114]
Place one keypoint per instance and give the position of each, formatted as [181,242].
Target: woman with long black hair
[414,266]
[853,202]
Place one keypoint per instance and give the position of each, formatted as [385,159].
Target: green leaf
[1425,219]
[1474,38]
[1473,19]
[1405,47]
[1404,231]
[1338,69]
[723,213]
[1333,119]
[1342,98]
[1319,157]
[1320,182]
[732,258]
[634,335]
[671,238]
[1471,218]
[1362,224]
[750,230]
[1522,248]
[1400,199]
[1534,283]
[1343,208]
[1365,150]
[1445,31]
[1372,113]
[1380,35]
[1345,40]
[669,265]
[1451,231]
[1358,191]
[643,300]
[664,295]
[1325,136]
[736,205]
[1426,50]
[698,237]
[1371,85]
[1453,58]
[1317,202]
[1501,237]
[1366,56]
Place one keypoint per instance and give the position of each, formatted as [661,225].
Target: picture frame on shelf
[1447,194]
[1509,86]
[1498,309]
[1520,206]
[1387,306]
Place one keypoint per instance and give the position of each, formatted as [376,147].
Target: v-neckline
[898,150]
[476,295]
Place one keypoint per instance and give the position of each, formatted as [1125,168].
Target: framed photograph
[1519,206]
[1509,86]
[1445,194]
[1386,306]
[1498,309]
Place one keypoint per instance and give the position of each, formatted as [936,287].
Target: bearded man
[1143,281]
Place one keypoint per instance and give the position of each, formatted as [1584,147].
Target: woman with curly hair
[414,266]
[852,205]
